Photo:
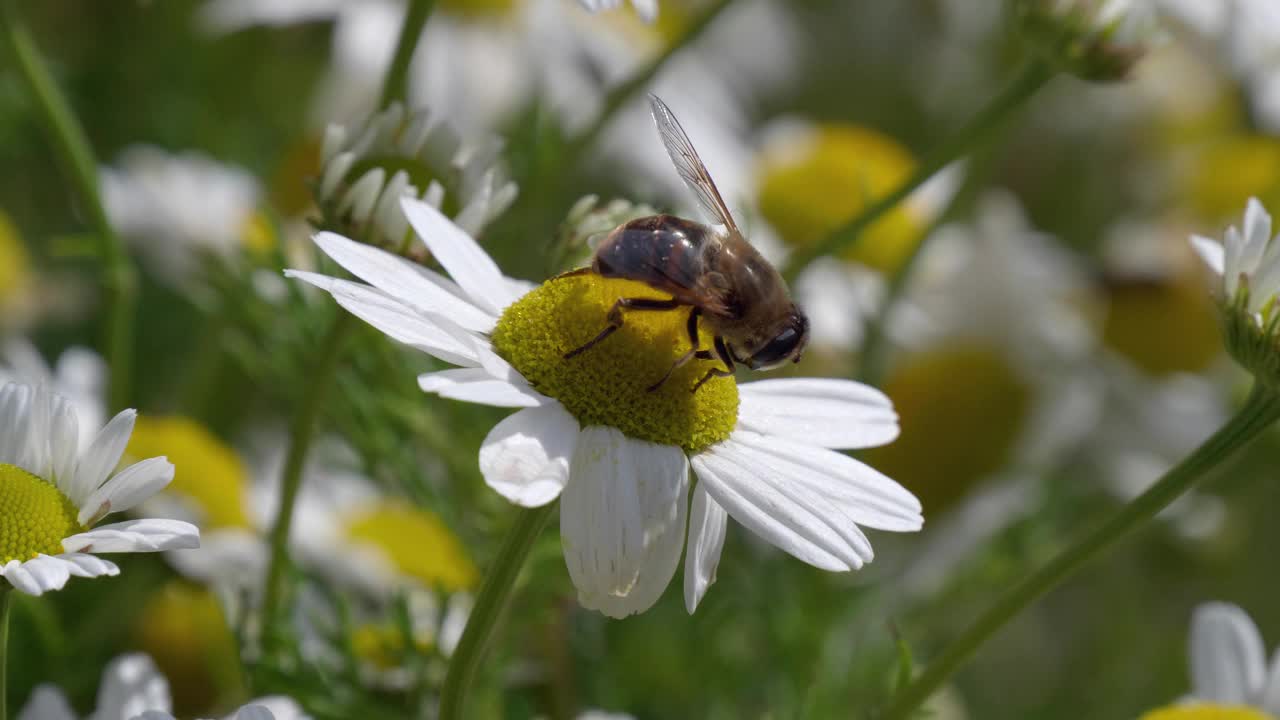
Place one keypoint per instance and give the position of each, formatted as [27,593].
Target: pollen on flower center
[607,384]
[34,516]
[1206,711]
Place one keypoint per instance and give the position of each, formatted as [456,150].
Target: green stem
[6,604]
[1258,413]
[395,84]
[622,93]
[495,592]
[987,121]
[119,275]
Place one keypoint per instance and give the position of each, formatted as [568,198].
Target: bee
[710,269]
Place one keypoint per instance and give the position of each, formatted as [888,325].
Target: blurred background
[1034,312]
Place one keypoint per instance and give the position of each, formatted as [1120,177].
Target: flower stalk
[1259,412]
[982,126]
[6,605]
[119,274]
[495,593]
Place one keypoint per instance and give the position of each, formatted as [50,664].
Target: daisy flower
[79,375]
[134,689]
[617,456]
[1230,676]
[54,493]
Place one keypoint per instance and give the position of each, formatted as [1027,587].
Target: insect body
[712,270]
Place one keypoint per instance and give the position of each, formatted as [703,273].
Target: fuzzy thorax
[607,384]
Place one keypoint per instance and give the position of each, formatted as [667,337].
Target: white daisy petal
[403,280]
[1233,246]
[467,263]
[101,458]
[525,458]
[1257,232]
[12,415]
[707,525]
[1269,696]
[478,386]
[89,566]
[64,439]
[146,535]
[131,686]
[1227,659]
[818,411]
[622,520]
[1210,251]
[127,488]
[47,703]
[397,320]
[38,575]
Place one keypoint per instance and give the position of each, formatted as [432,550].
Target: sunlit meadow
[329,387]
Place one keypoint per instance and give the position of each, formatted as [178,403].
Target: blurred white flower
[177,209]
[54,493]
[79,375]
[134,689]
[646,9]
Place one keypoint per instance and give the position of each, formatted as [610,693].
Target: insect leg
[615,318]
[692,328]
[722,352]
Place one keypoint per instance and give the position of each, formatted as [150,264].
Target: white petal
[14,399]
[861,493]
[89,566]
[818,411]
[276,707]
[100,458]
[131,686]
[146,535]
[1269,697]
[525,458]
[399,321]
[1210,251]
[253,712]
[467,263]
[622,520]
[1227,661]
[64,440]
[478,386]
[707,524]
[127,488]
[47,703]
[1233,246]
[403,280]
[1257,231]
[38,575]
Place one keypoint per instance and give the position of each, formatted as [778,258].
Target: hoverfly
[711,269]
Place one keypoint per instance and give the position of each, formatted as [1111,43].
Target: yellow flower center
[1163,326]
[1206,711]
[208,473]
[34,516]
[814,185]
[258,234]
[182,628]
[383,645]
[1230,170]
[15,267]
[417,543]
[608,383]
[935,392]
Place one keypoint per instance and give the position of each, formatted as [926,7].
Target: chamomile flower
[79,375]
[54,493]
[134,689]
[1249,263]
[1230,676]
[617,456]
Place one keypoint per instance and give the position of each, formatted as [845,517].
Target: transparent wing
[690,166]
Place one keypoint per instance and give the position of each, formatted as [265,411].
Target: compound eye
[778,350]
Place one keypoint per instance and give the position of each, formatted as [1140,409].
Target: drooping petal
[707,525]
[38,575]
[47,703]
[100,458]
[478,386]
[89,566]
[525,458]
[622,520]
[127,488]
[145,535]
[131,686]
[467,263]
[1227,659]
[818,411]
[1211,252]
[405,281]
[399,321]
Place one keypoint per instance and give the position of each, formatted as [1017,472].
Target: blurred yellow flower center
[961,410]
[477,8]
[182,628]
[258,235]
[1229,170]
[417,543]
[383,645]
[1206,711]
[34,516]
[1163,326]
[208,473]
[607,384]
[811,186]
[15,270]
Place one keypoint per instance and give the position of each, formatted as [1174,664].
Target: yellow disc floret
[608,383]
[210,474]
[1206,711]
[811,186]
[417,543]
[35,516]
